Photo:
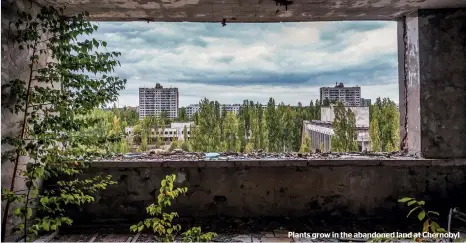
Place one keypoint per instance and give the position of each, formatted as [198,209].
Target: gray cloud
[273,57]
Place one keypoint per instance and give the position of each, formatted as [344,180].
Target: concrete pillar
[432,75]
[15,65]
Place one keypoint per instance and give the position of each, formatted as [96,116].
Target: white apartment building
[349,96]
[175,130]
[231,108]
[191,109]
[154,101]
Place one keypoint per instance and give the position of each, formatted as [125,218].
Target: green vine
[53,104]
[162,223]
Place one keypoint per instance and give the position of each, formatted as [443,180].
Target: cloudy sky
[286,61]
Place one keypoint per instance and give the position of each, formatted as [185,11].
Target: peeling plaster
[192,1]
[360,4]
[381,3]
[152,5]
[180,177]
[178,15]
[285,14]
[175,4]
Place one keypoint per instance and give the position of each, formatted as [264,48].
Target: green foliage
[176,144]
[185,134]
[272,128]
[57,105]
[306,145]
[425,217]
[385,126]
[161,222]
[374,134]
[195,235]
[344,127]
[182,115]
[143,146]
[231,138]
[186,146]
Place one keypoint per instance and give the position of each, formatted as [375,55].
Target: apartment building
[191,109]
[349,96]
[231,108]
[154,101]
[366,102]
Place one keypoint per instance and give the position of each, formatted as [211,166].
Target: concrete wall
[15,65]
[361,113]
[433,82]
[279,188]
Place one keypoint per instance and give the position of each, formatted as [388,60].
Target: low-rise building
[321,131]
[174,131]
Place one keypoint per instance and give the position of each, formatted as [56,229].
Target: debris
[212,155]
[94,237]
[47,238]
[180,155]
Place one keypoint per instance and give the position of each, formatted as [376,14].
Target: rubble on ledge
[180,155]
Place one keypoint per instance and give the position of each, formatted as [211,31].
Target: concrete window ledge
[280,163]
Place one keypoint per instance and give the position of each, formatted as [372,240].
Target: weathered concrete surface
[15,65]
[250,10]
[433,83]
[279,188]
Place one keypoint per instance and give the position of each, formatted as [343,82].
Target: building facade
[366,102]
[349,96]
[175,131]
[191,109]
[154,101]
[321,132]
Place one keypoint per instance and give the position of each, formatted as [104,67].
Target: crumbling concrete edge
[278,163]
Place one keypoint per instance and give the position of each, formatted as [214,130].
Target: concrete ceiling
[249,10]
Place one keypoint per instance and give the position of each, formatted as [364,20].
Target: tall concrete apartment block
[349,96]
[154,101]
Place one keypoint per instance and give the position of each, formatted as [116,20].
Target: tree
[129,116]
[56,103]
[374,131]
[384,125]
[185,133]
[143,146]
[306,145]
[175,144]
[273,126]
[264,133]
[231,142]
[326,102]
[344,127]
[182,115]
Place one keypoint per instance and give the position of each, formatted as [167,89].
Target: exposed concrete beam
[249,10]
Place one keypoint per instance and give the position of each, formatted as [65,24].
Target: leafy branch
[162,223]
[54,103]
[429,224]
